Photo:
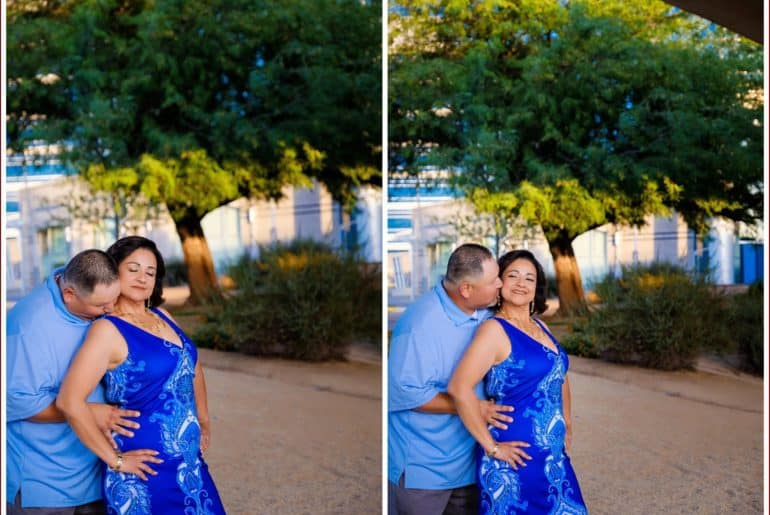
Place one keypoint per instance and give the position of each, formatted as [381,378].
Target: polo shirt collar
[58,301]
[453,311]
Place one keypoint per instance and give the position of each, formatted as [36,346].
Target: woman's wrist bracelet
[494,450]
[118,464]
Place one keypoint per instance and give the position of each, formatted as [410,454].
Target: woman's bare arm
[103,348]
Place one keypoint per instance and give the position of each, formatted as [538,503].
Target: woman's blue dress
[530,379]
[156,379]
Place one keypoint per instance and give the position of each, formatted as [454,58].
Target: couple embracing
[106,399]
[456,372]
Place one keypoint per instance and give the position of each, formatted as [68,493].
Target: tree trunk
[568,281]
[197,258]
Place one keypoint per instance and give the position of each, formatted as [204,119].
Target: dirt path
[294,438]
[649,442]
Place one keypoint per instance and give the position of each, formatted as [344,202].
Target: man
[48,470]
[431,463]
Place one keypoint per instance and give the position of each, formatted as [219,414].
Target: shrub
[176,273]
[578,343]
[746,326]
[552,287]
[656,316]
[302,300]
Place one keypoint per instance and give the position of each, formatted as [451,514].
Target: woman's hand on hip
[138,461]
[513,453]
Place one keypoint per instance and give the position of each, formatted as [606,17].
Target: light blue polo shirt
[434,451]
[45,460]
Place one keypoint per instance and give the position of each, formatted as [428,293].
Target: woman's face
[519,282]
[137,275]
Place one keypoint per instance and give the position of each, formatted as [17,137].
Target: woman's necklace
[528,327]
[151,323]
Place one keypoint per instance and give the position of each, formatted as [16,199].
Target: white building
[422,234]
[42,232]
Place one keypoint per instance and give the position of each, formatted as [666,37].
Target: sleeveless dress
[530,379]
[156,379]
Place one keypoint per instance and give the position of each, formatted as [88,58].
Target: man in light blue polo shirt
[48,470]
[431,464]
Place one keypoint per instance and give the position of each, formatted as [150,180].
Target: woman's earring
[147,303]
[531,307]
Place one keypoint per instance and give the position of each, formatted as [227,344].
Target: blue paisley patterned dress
[530,379]
[157,380]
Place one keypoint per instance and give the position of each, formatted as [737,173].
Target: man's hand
[111,419]
[493,414]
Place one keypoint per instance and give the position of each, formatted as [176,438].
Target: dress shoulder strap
[178,330]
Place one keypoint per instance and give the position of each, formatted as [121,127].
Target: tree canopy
[199,103]
[585,113]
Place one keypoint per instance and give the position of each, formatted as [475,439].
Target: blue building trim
[35,170]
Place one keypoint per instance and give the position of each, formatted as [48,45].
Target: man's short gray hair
[467,261]
[87,269]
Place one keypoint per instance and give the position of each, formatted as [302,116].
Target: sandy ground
[295,438]
[667,442]
[305,438]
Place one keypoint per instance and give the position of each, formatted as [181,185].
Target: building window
[438,257]
[13,255]
[400,273]
[54,251]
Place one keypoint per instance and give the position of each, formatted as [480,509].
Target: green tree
[200,103]
[617,111]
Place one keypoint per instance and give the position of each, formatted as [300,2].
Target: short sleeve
[413,371]
[31,386]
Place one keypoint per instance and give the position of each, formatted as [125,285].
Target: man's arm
[49,414]
[109,418]
[491,413]
[441,403]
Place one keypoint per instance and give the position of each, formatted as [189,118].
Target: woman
[523,468]
[148,364]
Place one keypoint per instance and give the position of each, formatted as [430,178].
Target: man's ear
[68,294]
[465,289]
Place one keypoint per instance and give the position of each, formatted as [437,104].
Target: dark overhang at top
[746,17]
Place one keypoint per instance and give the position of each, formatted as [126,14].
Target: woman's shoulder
[104,332]
[492,321]
[489,329]
[166,313]
[101,324]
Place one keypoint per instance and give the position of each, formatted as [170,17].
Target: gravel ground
[650,442]
[294,438]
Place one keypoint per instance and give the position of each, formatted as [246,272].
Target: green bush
[656,316]
[746,327]
[578,343]
[176,273]
[553,287]
[302,301]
